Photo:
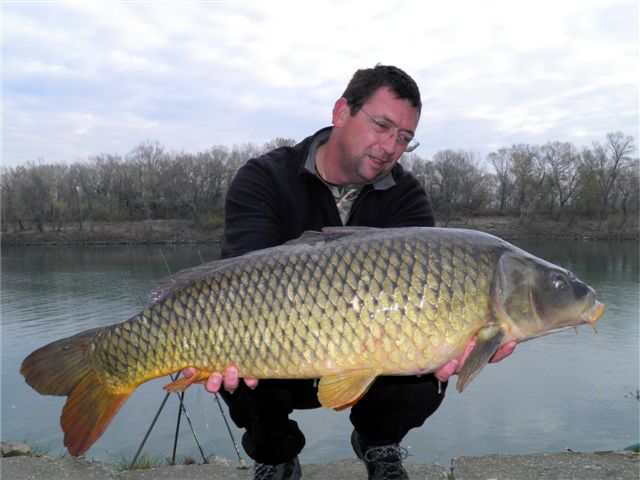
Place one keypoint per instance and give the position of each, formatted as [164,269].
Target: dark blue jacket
[275,198]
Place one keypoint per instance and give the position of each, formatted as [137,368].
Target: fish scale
[343,305]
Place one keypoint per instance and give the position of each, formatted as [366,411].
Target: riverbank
[186,231]
[541,466]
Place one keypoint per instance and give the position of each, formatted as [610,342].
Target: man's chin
[374,176]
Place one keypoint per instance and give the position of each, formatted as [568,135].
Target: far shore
[187,232]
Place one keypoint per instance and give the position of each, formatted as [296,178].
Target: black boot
[283,471]
[383,462]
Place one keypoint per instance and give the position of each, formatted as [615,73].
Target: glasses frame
[385,127]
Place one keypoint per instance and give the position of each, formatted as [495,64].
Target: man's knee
[395,405]
[274,446]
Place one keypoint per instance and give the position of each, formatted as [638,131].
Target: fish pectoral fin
[181,384]
[344,390]
[488,341]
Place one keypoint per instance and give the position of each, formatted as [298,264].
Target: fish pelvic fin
[488,340]
[344,390]
[62,368]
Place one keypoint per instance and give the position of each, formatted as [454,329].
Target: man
[346,174]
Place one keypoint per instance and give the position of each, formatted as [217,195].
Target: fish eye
[558,281]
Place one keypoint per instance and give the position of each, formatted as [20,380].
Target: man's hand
[229,381]
[454,366]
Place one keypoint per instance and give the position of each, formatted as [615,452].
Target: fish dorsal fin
[308,237]
[337,232]
[344,390]
[488,341]
[329,234]
[176,282]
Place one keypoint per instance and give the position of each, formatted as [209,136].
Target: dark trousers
[386,413]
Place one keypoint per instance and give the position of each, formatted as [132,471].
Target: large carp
[344,305]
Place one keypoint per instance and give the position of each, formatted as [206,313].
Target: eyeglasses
[385,127]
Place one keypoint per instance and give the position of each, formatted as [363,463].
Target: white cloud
[81,78]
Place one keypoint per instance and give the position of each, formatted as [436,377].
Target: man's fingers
[504,351]
[447,370]
[251,382]
[454,366]
[231,379]
[214,382]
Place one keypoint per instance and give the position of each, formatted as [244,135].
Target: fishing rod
[183,410]
[241,463]
[153,423]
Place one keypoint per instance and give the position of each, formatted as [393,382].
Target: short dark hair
[365,82]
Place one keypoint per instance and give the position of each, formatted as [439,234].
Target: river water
[562,391]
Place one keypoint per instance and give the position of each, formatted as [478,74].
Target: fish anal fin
[488,340]
[344,390]
[181,384]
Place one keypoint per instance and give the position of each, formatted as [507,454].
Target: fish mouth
[593,315]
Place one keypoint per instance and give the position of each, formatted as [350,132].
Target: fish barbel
[344,305]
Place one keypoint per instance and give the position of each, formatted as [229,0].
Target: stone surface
[14,449]
[68,468]
[551,466]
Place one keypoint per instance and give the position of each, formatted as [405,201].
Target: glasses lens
[412,145]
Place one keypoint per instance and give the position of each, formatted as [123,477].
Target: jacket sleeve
[251,217]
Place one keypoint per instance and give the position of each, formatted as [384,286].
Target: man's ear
[341,112]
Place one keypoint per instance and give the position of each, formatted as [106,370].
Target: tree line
[554,179]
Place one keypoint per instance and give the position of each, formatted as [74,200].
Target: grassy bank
[186,231]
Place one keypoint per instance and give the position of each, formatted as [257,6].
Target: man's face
[369,143]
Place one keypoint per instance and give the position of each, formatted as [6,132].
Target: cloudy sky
[89,77]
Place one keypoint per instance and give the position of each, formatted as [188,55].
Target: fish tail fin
[63,368]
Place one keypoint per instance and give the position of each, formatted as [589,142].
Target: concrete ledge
[549,466]
[543,466]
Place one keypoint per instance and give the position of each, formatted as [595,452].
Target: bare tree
[35,191]
[277,143]
[529,176]
[148,157]
[628,187]
[422,169]
[605,162]
[107,176]
[561,161]
[459,183]
[13,211]
[501,161]
[150,183]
